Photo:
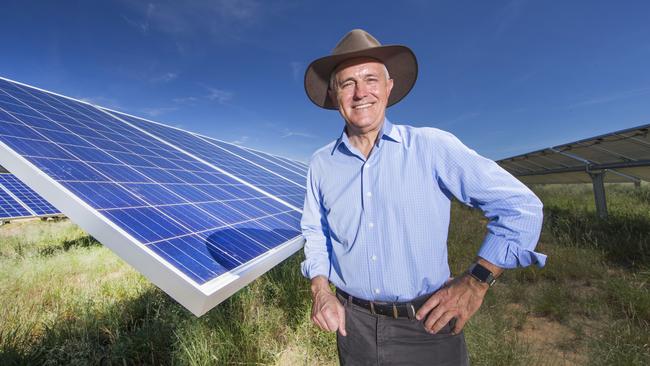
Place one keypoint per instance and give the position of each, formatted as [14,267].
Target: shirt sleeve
[315,231]
[514,212]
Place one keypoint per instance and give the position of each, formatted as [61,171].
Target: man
[376,217]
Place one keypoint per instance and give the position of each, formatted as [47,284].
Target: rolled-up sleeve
[514,212]
[314,230]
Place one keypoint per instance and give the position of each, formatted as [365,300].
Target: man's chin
[362,126]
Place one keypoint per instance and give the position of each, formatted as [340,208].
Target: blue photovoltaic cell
[197,218]
[293,165]
[10,208]
[25,194]
[264,160]
[276,180]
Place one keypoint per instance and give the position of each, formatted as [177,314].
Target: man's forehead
[357,64]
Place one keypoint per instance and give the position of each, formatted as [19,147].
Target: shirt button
[371,225]
[369,194]
[377,291]
[374,257]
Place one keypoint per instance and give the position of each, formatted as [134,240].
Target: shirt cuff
[311,269]
[506,254]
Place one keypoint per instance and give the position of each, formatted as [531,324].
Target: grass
[68,300]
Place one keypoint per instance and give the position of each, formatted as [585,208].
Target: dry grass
[68,300]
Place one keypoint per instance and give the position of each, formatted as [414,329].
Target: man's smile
[363,106]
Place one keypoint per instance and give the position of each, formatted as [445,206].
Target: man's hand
[460,298]
[326,311]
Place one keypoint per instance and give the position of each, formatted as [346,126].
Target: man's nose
[360,90]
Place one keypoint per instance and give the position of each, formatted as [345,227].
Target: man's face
[361,90]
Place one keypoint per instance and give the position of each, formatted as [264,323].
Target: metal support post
[598,180]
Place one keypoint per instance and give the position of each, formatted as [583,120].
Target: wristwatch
[482,274]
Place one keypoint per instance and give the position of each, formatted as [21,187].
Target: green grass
[68,300]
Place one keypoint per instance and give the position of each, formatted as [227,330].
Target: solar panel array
[624,155]
[18,200]
[199,217]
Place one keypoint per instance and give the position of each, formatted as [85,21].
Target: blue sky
[506,77]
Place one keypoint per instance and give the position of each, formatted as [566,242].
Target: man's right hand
[326,311]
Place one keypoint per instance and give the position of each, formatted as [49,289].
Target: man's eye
[347,85]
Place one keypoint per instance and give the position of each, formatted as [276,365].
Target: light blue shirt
[377,227]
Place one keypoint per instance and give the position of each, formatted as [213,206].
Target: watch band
[482,274]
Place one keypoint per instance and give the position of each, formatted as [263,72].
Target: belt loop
[349,300]
[372,308]
[410,309]
[395,313]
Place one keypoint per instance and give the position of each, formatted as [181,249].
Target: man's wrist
[476,284]
[483,274]
[496,271]
[318,284]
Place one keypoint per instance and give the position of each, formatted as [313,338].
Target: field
[65,299]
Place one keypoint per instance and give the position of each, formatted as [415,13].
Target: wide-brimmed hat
[399,60]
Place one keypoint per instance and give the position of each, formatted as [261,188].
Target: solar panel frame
[198,298]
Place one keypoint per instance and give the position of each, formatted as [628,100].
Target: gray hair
[333,81]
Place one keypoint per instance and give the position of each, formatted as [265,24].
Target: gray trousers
[381,340]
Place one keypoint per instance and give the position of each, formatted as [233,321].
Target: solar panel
[10,207]
[200,220]
[274,178]
[37,204]
[624,155]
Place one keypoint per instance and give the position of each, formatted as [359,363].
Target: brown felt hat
[399,60]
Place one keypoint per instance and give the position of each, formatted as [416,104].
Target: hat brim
[399,60]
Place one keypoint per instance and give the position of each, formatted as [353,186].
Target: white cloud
[221,96]
[216,19]
[297,69]
[164,78]
[153,112]
[508,15]
[143,24]
[240,141]
[183,100]
[612,97]
[288,133]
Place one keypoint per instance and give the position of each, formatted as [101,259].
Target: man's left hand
[460,298]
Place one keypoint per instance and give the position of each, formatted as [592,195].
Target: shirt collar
[387,132]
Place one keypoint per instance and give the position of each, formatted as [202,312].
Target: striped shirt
[377,227]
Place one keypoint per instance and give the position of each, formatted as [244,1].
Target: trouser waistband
[391,309]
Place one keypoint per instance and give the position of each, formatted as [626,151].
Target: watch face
[480,273]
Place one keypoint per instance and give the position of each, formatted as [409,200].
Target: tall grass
[68,300]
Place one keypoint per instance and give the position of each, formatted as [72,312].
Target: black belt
[392,309]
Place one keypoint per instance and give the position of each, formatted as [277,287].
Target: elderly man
[376,217]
